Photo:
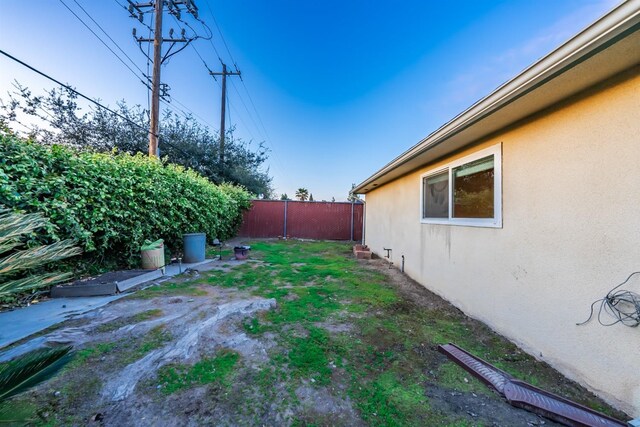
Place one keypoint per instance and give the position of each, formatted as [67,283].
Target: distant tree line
[182,139]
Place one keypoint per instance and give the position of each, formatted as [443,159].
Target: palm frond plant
[19,272]
[17,265]
[25,372]
[31,369]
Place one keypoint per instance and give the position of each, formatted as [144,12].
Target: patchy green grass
[125,350]
[308,356]
[394,343]
[154,339]
[213,253]
[385,361]
[169,289]
[452,376]
[310,281]
[92,353]
[137,318]
[386,400]
[252,326]
[216,369]
[146,315]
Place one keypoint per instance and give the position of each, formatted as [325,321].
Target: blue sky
[340,87]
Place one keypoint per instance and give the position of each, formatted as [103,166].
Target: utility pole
[154,123]
[224,75]
[136,11]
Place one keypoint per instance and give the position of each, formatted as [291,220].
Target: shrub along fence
[111,203]
[307,220]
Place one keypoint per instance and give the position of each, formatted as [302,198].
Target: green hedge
[111,203]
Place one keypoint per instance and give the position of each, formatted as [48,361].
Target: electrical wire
[206,66]
[235,64]
[192,112]
[262,129]
[85,97]
[255,109]
[623,305]
[232,83]
[146,84]
[245,106]
[112,40]
[80,94]
[105,44]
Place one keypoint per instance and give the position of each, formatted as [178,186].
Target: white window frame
[496,221]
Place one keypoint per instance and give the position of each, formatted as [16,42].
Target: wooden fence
[306,220]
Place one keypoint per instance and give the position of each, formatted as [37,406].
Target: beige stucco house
[525,208]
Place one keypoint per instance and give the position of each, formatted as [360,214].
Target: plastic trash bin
[194,247]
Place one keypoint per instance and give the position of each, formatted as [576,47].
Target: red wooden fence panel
[264,219]
[319,220]
[308,220]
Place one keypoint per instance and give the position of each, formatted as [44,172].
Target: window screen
[436,196]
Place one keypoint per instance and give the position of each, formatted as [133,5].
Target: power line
[193,45]
[127,56]
[121,50]
[192,112]
[104,43]
[255,109]
[178,22]
[245,107]
[158,58]
[206,66]
[219,85]
[235,64]
[148,72]
[112,40]
[146,84]
[263,129]
[69,88]
[83,96]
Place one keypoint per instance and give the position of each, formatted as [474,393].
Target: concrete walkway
[23,322]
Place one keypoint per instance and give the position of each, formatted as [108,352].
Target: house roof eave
[581,62]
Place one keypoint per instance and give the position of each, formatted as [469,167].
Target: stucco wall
[571,231]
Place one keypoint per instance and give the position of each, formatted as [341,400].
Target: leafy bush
[110,203]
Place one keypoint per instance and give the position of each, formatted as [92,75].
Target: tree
[333,199]
[183,140]
[311,197]
[284,196]
[302,194]
[352,196]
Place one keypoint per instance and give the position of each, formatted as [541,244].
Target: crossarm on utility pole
[224,75]
[136,11]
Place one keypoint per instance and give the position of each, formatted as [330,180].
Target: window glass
[473,189]
[436,196]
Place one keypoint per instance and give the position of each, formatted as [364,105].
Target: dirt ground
[246,344]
